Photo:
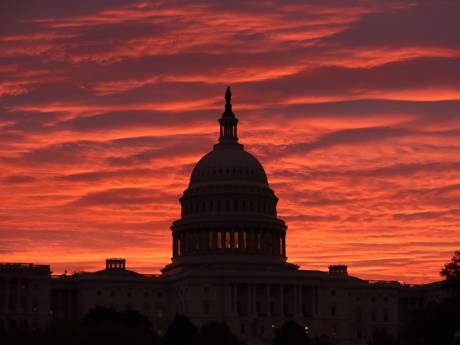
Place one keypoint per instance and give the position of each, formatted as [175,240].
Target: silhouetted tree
[451,272]
[323,340]
[435,324]
[380,336]
[291,333]
[181,331]
[102,326]
[215,333]
[439,322]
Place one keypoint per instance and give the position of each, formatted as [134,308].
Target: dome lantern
[228,122]
[228,214]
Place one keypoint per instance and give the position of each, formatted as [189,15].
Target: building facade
[229,263]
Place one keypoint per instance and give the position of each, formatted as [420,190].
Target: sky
[353,108]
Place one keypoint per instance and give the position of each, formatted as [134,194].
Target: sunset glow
[353,108]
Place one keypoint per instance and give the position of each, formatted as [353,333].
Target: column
[281,301]
[268,300]
[315,299]
[248,305]
[174,245]
[295,307]
[284,245]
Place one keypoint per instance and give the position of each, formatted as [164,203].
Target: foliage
[451,272]
[215,333]
[291,333]
[380,336]
[435,324]
[181,331]
[102,326]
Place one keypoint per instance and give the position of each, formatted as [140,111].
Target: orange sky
[353,108]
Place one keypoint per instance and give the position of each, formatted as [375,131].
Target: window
[236,239]
[385,315]
[178,247]
[219,240]
[359,314]
[197,242]
[227,240]
[259,240]
[333,310]
[245,240]
[211,238]
[206,307]
[160,313]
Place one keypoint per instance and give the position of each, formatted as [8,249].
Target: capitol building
[229,263]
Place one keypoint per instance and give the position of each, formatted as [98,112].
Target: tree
[181,331]
[380,336]
[216,333]
[451,272]
[437,323]
[291,333]
[102,326]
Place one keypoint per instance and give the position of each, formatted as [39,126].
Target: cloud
[122,196]
[352,107]
[19,179]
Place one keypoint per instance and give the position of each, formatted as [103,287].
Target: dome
[228,211]
[228,162]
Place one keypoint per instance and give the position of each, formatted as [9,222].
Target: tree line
[437,323]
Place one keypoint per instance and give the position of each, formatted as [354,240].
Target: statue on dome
[228,95]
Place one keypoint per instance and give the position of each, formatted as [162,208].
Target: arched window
[219,240]
[236,240]
[227,240]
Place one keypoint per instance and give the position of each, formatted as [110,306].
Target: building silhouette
[229,263]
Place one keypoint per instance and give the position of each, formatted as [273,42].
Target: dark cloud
[122,197]
[429,23]
[19,179]
[427,215]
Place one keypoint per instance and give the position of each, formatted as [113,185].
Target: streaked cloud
[352,106]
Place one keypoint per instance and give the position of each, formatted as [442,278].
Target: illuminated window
[236,239]
[227,240]
[219,240]
[245,240]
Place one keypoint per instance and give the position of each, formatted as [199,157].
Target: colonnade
[273,300]
[246,240]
